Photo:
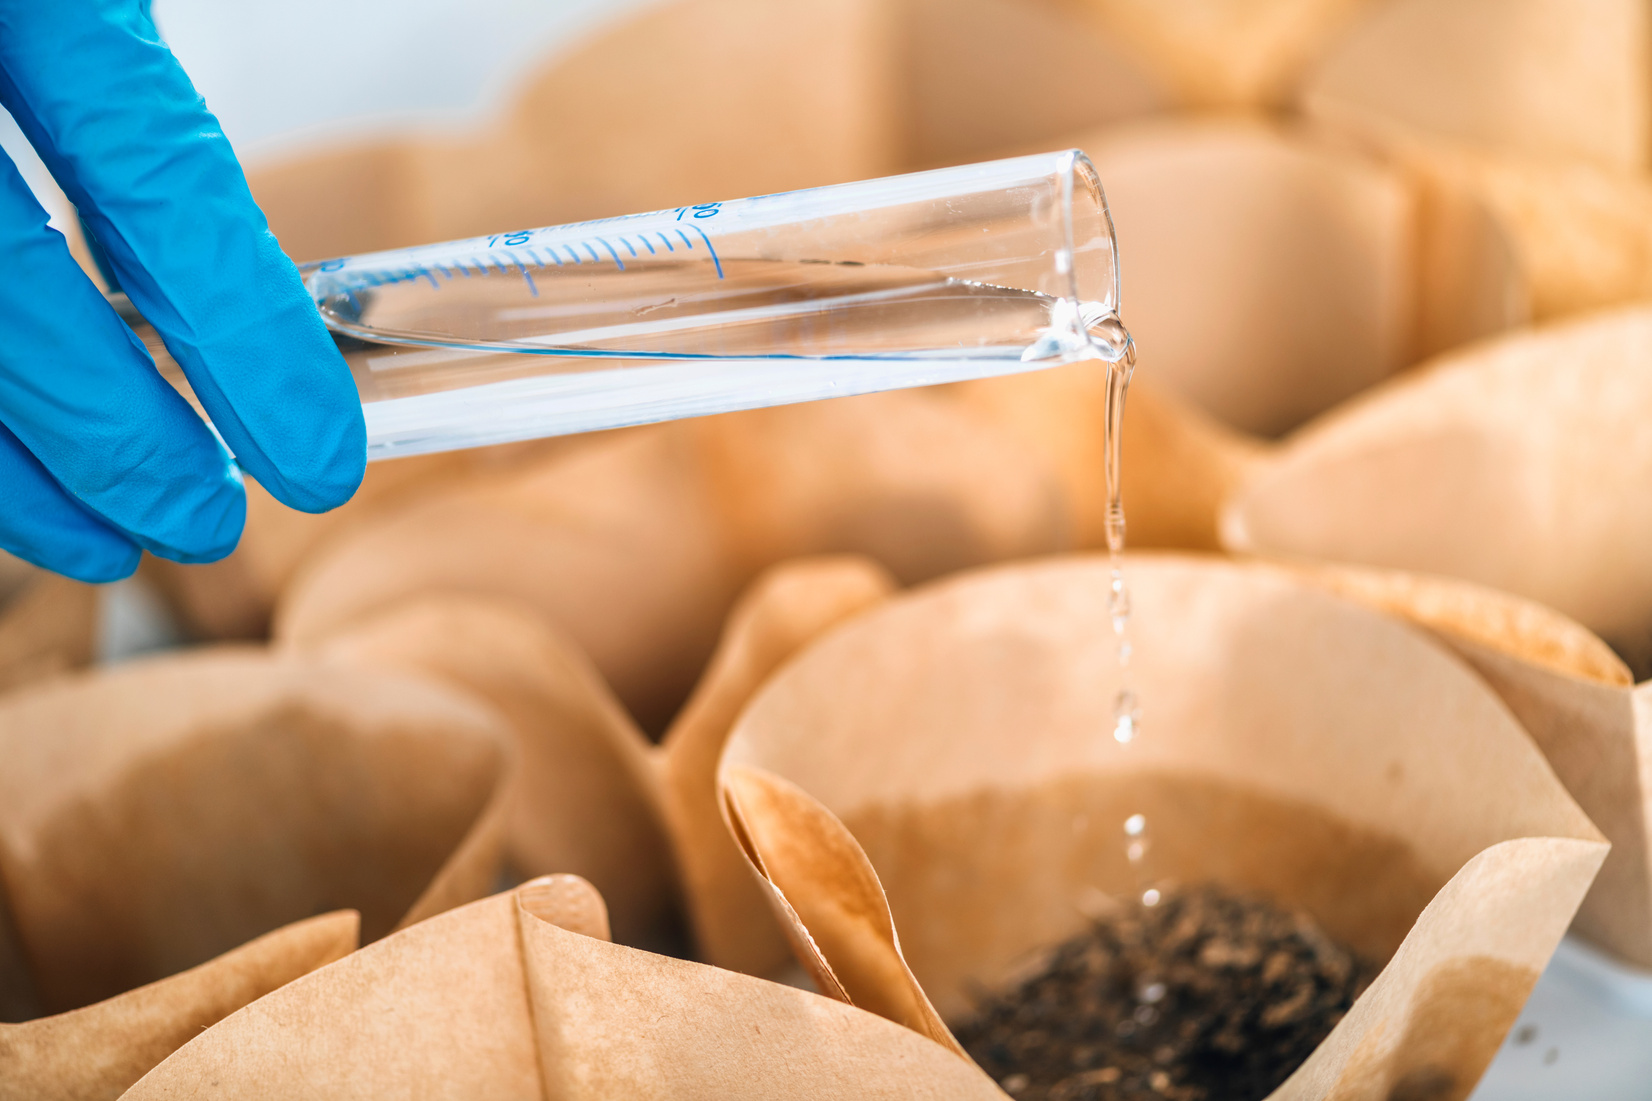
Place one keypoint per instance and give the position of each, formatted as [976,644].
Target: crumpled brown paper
[48,624]
[520,996]
[1292,743]
[1521,464]
[164,812]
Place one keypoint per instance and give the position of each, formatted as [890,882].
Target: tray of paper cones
[825,751]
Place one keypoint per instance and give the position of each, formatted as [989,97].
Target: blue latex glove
[98,455]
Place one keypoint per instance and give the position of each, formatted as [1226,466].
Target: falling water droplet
[1126,717]
[1118,603]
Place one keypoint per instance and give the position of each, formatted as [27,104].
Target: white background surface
[278,74]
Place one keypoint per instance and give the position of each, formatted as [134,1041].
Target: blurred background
[1312,196]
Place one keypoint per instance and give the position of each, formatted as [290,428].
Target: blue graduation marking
[666,241]
[714,259]
[533,288]
[612,253]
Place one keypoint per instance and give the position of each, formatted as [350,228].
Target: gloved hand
[98,455]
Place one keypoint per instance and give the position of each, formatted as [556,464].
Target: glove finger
[40,523]
[119,124]
[80,393]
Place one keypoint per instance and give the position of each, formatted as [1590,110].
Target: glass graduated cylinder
[911,280]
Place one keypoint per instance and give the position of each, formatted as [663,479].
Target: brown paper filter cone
[583,800]
[1226,53]
[521,997]
[592,795]
[1577,700]
[782,611]
[978,76]
[48,624]
[634,546]
[1292,744]
[1179,464]
[1524,465]
[96,1052]
[1533,111]
[160,814]
[635,549]
[1578,233]
[619,547]
[234,597]
[1541,78]
[1267,276]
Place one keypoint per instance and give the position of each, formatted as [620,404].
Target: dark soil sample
[1208,995]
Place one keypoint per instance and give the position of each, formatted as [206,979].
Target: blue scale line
[574,254]
[612,253]
[707,240]
[628,247]
[445,270]
[668,245]
[526,274]
[652,251]
[500,266]
[592,251]
[425,272]
[460,264]
[686,241]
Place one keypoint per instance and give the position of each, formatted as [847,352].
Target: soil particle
[1207,995]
